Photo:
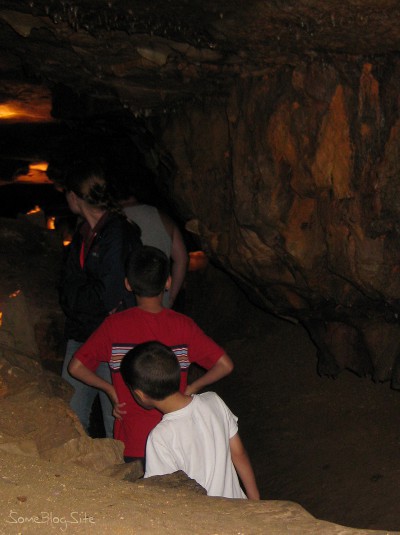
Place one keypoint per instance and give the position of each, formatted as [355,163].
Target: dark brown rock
[298,183]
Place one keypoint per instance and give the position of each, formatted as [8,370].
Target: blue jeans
[83,397]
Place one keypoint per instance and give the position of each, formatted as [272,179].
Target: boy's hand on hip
[118,411]
[189,390]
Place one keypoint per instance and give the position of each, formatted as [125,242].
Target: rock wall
[292,183]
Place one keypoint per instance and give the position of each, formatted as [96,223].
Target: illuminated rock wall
[292,182]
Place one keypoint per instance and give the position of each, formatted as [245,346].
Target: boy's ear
[139,394]
[142,399]
[168,283]
[128,286]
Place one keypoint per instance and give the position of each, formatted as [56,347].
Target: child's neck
[150,304]
[173,403]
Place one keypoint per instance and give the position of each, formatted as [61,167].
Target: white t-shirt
[195,439]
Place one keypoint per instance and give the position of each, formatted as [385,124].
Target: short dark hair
[153,368]
[147,271]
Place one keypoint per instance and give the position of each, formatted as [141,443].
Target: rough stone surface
[32,321]
[98,55]
[302,168]
[177,480]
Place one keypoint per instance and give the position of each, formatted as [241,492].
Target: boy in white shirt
[197,434]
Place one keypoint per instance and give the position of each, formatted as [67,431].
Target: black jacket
[88,295]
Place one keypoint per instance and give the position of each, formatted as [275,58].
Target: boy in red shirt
[148,277]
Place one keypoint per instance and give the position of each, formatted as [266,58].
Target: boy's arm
[78,370]
[243,467]
[221,368]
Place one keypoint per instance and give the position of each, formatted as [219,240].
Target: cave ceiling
[80,57]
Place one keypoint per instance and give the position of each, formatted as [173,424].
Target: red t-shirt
[124,330]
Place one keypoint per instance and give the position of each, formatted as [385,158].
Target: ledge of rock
[59,496]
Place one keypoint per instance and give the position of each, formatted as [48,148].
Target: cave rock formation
[282,119]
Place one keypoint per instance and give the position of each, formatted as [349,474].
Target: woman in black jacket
[92,282]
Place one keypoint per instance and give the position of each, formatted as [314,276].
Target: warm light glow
[30,112]
[8,111]
[36,174]
[66,242]
[1,318]
[34,210]
[51,223]
[15,294]
[197,260]
[39,166]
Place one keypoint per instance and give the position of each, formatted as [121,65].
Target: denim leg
[103,371]
[83,397]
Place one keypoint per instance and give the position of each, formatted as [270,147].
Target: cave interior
[270,130]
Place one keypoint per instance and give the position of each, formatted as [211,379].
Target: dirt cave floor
[331,445]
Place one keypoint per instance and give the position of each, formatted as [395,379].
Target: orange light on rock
[38,110]
[34,210]
[197,260]
[8,111]
[66,242]
[39,166]
[15,294]
[36,174]
[36,216]
[51,223]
